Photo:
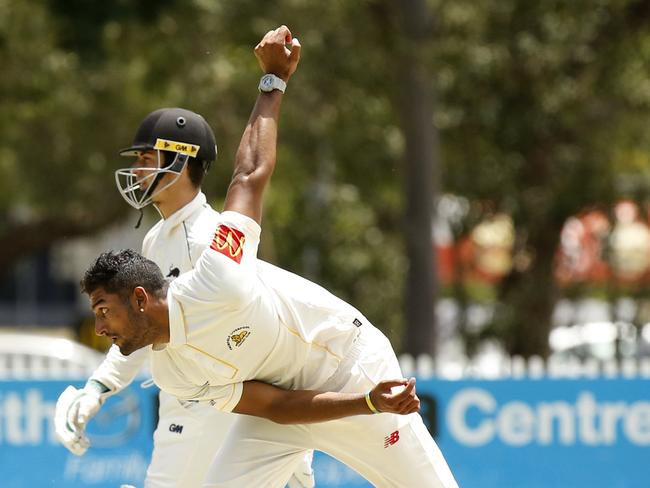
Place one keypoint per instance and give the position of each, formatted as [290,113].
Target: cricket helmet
[178,133]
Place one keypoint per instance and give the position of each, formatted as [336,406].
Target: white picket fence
[37,357]
[23,366]
[26,367]
[520,368]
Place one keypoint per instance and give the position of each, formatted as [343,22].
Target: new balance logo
[176,429]
[391,439]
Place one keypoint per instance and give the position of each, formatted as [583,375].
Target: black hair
[121,272]
[196,168]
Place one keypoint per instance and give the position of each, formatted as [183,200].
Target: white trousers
[388,450]
[186,442]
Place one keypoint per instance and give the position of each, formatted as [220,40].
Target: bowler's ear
[139,298]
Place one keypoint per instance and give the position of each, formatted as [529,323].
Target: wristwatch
[270,82]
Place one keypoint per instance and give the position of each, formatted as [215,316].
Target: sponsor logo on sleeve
[229,242]
[237,337]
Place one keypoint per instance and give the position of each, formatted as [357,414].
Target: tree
[538,104]
[414,103]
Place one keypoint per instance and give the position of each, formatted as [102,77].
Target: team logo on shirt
[237,337]
[229,242]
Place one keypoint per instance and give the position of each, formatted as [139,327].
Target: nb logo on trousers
[391,439]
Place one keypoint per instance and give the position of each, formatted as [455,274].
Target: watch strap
[270,82]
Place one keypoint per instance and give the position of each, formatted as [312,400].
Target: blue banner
[509,433]
[532,433]
[31,456]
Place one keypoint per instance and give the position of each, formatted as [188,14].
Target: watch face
[271,82]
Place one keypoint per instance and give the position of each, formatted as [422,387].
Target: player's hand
[402,400]
[74,409]
[274,56]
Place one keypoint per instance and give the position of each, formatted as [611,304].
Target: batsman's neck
[174,198]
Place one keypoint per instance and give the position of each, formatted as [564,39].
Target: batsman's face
[116,318]
[146,160]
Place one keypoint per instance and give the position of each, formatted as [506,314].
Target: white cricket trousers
[388,450]
[186,442]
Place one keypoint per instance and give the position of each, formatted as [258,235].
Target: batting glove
[74,409]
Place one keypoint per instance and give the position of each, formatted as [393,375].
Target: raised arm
[255,159]
[305,406]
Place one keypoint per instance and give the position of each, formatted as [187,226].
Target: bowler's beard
[140,332]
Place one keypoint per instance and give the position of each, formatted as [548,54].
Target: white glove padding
[74,409]
[303,476]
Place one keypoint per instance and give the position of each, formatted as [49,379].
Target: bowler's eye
[103,311]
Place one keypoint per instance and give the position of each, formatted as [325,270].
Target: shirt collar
[177,327]
[185,212]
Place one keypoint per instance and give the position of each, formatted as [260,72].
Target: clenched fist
[274,56]
[404,401]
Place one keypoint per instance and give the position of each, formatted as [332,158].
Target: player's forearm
[257,148]
[118,371]
[303,407]
[255,158]
[298,406]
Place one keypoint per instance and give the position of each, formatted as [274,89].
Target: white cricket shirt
[174,244]
[234,318]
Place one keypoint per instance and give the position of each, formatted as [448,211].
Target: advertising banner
[506,433]
[31,456]
[532,433]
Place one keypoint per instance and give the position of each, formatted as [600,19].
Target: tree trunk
[530,295]
[415,107]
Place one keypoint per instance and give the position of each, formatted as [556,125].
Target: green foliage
[542,109]
[82,84]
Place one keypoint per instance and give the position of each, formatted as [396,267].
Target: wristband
[372,408]
[99,389]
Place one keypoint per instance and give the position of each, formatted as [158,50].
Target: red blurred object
[594,248]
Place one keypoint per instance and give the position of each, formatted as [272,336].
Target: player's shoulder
[155,229]
[203,221]
[207,216]
[152,233]
[199,230]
